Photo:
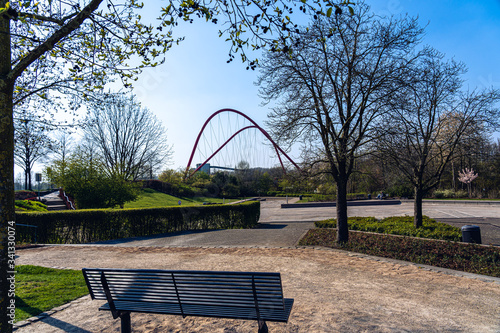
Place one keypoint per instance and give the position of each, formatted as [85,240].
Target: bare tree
[332,87]
[129,138]
[32,142]
[429,117]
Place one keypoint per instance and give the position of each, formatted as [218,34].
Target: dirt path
[334,291]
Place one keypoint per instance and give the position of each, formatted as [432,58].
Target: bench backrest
[206,288]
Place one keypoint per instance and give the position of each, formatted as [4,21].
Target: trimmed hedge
[470,258]
[399,225]
[93,225]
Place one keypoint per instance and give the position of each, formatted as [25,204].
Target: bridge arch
[254,125]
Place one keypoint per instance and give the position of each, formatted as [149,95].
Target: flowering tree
[466,176]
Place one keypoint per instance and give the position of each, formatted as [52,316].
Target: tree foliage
[84,178]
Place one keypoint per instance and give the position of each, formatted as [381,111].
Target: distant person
[179,202]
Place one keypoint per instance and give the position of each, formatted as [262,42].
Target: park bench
[234,295]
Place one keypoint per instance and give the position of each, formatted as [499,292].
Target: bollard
[471,234]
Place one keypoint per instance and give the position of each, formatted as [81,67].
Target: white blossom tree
[466,176]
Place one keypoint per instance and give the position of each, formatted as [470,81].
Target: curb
[349,203]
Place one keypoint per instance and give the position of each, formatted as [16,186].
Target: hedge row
[93,225]
[399,225]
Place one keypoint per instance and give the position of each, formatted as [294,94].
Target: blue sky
[196,81]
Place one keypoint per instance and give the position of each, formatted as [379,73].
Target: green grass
[39,289]
[150,198]
[30,205]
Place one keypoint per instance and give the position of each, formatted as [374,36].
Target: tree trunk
[30,187]
[453,176]
[342,227]
[417,208]
[7,215]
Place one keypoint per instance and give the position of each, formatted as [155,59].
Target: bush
[449,194]
[399,225]
[401,191]
[470,258]
[93,225]
[30,205]
[320,198]
[24,195]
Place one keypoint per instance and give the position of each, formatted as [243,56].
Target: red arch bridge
[230,139]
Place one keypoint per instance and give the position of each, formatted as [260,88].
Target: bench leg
[263,327]
[125,321]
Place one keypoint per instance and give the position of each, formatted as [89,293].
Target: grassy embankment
[150,198]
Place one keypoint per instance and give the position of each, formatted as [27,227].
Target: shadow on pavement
[62,325]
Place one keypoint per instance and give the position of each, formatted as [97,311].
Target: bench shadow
[32,311]
[62,325]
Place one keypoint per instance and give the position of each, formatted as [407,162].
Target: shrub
[402,191]
[450,194]
[458,256]
[93,225]
[30,205]
[399,225]
[23,195]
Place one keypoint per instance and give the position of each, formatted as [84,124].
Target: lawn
[39,289]
[150,198]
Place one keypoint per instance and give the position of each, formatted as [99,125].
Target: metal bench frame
[234,295]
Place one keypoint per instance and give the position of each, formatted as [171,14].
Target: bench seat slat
[279,315]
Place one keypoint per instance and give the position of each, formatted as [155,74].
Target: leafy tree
[429,117]
[92,44]
[171,176]
[332,87]
[86,180]
[129,138]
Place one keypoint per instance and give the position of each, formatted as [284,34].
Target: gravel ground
[334,291]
